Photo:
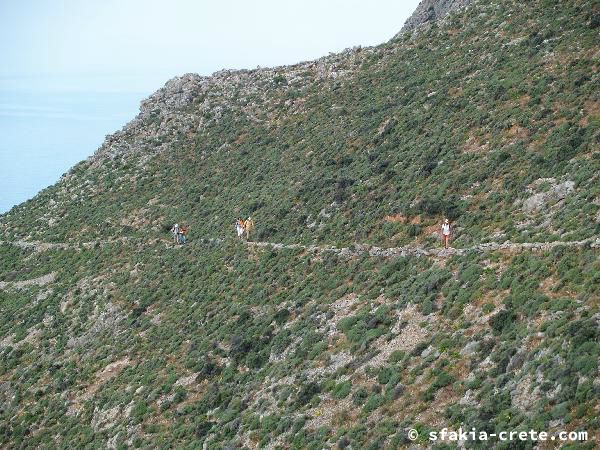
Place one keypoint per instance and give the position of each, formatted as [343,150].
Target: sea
[43,134]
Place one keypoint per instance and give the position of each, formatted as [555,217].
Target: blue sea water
[43,134]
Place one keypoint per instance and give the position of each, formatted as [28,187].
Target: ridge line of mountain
[229,88]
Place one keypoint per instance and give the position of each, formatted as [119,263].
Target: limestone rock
[555,193]
[430,11]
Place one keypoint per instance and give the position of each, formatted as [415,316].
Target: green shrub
[341,390]
[502,321]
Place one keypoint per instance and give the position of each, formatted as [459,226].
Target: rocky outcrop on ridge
[190,103]
[430,11]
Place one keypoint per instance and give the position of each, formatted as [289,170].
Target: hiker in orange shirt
[182,233]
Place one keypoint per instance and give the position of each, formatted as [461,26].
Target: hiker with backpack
[248,227]
[239,227]
[446,232]
[176,230]
[182,234]
[244,227]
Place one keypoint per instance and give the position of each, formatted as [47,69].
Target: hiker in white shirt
[176,233]
[446,231]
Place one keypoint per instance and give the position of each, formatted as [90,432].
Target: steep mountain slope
[110,336]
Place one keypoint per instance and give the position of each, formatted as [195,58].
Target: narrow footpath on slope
[355,250]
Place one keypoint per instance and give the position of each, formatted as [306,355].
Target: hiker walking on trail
[176,230]
[182,232]
[248,227]
[446,232]
[244,227]
[239,227]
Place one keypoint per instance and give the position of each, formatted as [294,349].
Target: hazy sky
[73,71]
[126,45]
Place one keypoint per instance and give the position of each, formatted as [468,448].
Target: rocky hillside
[431,11]
[343,324]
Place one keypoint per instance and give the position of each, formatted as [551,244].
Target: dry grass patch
[474,145]
[396,218]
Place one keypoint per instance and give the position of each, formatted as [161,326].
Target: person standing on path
[182,234]
[446,231]
[176,231]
